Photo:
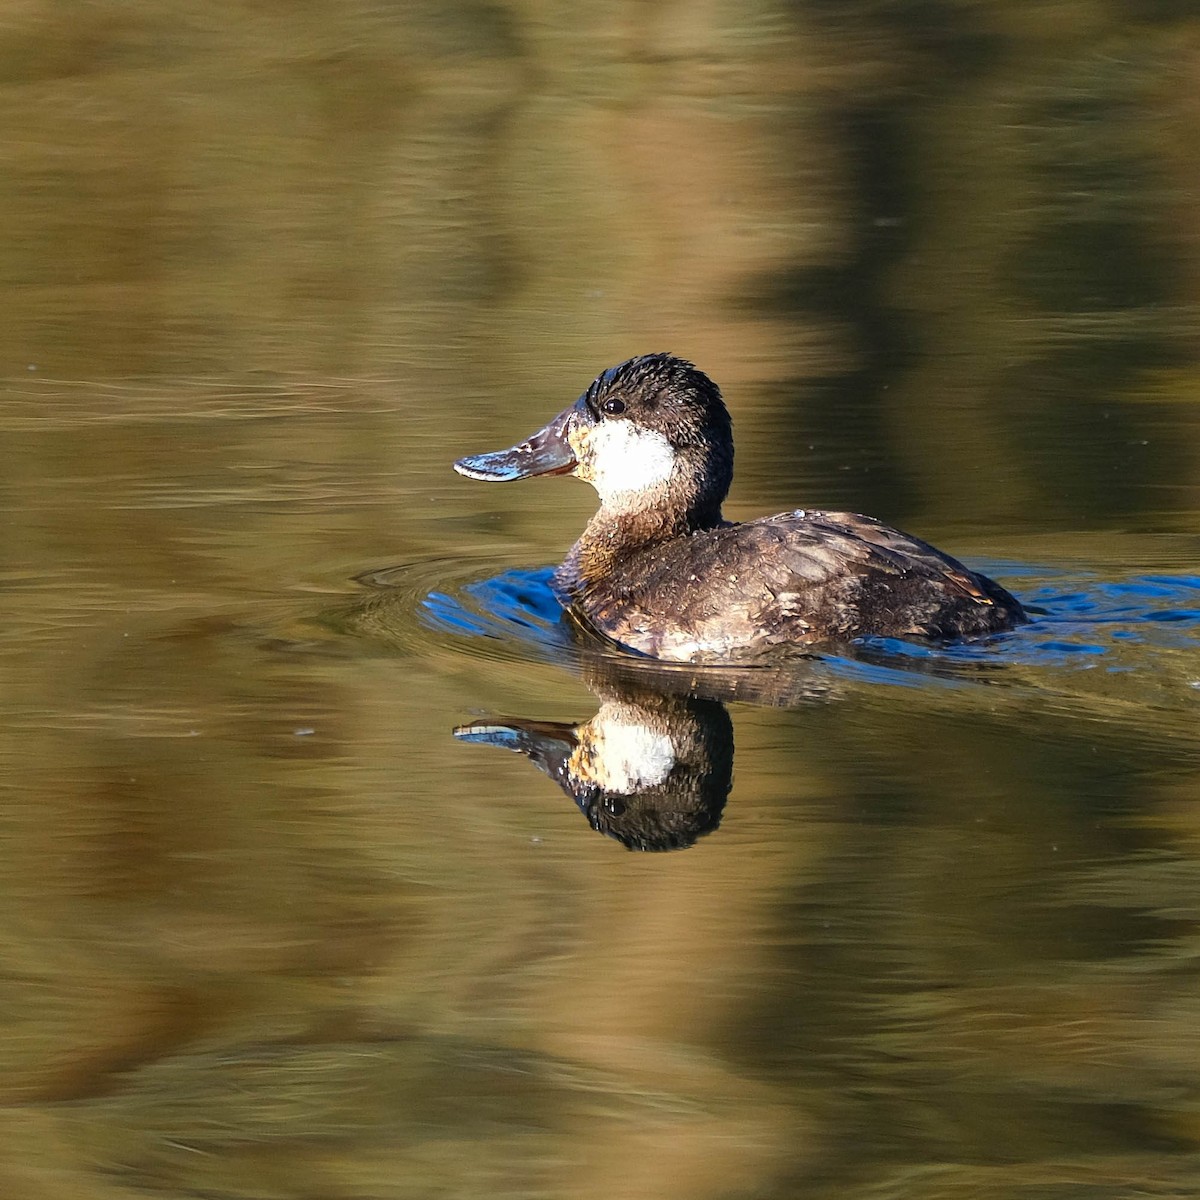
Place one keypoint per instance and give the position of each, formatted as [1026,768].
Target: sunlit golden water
[269,929]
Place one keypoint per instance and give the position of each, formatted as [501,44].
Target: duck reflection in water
[652,770]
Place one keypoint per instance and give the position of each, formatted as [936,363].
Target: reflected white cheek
[626,459]
[628,757]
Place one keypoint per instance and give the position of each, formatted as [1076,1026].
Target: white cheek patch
[627,757]
[628,459]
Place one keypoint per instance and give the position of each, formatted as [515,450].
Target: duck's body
[659,571]
[739,591]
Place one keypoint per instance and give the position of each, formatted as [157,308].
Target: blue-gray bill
[548,744]
[547,452]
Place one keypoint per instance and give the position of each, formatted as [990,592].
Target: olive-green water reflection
[268,930]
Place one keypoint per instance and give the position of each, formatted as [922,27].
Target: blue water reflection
[1077,620]
[519,605]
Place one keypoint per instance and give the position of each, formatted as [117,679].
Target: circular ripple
[473,607]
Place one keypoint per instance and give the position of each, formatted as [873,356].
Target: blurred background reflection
[266,928]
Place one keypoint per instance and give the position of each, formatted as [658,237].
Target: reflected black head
[688,804]
[653,822]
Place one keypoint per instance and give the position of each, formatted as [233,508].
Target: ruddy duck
[659,571]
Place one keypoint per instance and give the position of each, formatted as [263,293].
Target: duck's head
[652,433]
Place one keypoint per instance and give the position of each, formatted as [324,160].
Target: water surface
[270,929]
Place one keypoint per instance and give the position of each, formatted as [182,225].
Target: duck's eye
[613,407]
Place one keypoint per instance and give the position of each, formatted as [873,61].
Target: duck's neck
[620,530]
